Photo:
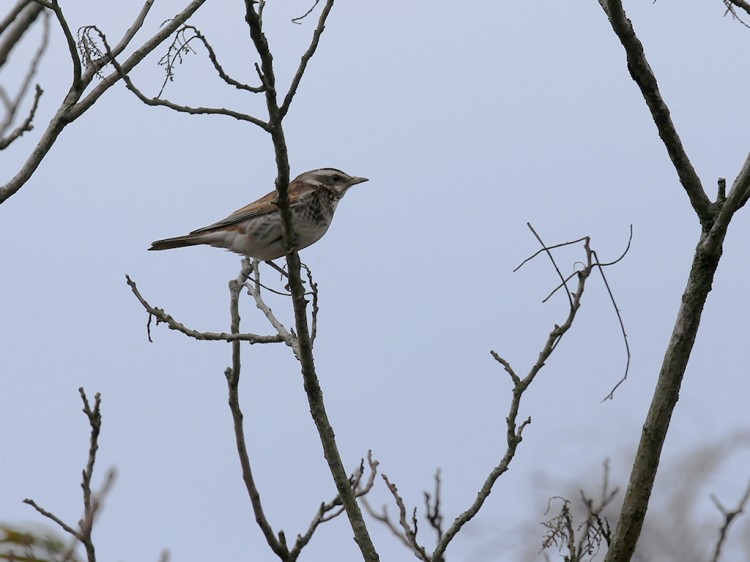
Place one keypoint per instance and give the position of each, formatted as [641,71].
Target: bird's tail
[177,242]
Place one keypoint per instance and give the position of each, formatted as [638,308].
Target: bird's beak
[355,180]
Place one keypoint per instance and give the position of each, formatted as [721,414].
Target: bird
[254,230]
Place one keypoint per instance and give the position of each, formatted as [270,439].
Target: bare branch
[284,108]
[715,219]
[584,538]
[729,517]
[18,21]
[95,421]
[737,197]
[253,290]
[644,77]
[315,308]
[72,106]
[14,12]
[158,101]
[172,324]
[332,509]
[52,517]
[72,50]
[730,4]
[92,502]
[385,519]
[299,303]
[298,19]
[233,380]
[12,106]
[432,507]
[24,127]
[133,60]
[514,430]
[181,44]
[409,531]
[600,267]
[137,24]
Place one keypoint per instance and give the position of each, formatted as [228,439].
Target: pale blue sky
[469,119]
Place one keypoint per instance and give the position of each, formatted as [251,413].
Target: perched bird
[255,230]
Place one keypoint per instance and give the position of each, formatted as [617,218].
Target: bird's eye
[337,177]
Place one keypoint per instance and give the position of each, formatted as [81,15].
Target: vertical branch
[715,218]
[233,380]
[299,302]
[91,502]
[95,421]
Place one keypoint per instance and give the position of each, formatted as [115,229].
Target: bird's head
[332,178]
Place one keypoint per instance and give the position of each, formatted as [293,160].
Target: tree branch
[715,219]
[156,101]
[299,303]
[233,380]
[72,105]
[729,517]
[91,502]
[644,77]
[514,430]
[18,29]
[739,3]
[17,23]
[173,324]
[306,58]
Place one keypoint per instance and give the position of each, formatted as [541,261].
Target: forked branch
[715,219]
[162,317]
[405,530]
[79,97]
[729,517]
[92,502]
[327,510]
[276,113]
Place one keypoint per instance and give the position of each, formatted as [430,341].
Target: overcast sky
[470,119]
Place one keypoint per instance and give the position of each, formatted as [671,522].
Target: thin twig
[157,101]
[284,108]
[92,502]
[52,517]
[298,19]
[233,380]
[332,509]
[217,66]
[409,531]
[514,430]
[20,27]
[730,4]
[172,324]
[729,516]
[432,507]
[600,267]
[74,104]
[26,125]
[315,307]
[253,288]
[552,259]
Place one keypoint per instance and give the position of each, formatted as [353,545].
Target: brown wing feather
[259,207]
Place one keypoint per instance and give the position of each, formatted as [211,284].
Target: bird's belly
[262,238]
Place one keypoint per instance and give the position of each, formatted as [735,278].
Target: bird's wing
[263,206]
